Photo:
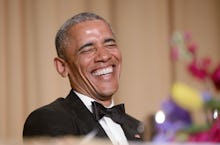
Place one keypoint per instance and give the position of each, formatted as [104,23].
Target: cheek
[83,64]
[117,55]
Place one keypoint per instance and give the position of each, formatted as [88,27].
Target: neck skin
[105,103]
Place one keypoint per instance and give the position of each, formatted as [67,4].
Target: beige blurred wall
[27,29]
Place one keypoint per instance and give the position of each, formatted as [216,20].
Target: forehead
[84,28]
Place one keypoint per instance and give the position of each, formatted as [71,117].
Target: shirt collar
[87,101]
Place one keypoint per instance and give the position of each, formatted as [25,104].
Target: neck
[105,103]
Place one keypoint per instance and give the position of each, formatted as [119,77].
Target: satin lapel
[129,133]
[86,121]
[130,128]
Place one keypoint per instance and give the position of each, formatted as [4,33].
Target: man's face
[93,60]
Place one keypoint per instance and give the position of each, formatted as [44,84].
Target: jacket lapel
[131,128]
[85,120]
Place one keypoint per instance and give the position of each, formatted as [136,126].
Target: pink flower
[192,48]
[211,135]
[174,53]
[199,69]
[187,36]
[199,137]
[215,131]
[216,77]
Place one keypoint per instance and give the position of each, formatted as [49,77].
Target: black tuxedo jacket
[69,116]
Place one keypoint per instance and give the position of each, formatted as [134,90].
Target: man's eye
[87,49]
[111,44]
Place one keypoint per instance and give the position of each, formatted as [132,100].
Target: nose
[102,54]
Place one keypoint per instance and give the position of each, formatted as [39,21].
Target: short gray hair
[62,36]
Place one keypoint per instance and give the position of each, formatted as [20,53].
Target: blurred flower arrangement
[174,121]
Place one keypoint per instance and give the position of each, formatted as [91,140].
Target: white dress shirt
[111,128]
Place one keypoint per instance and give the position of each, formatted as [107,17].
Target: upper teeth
[103,71]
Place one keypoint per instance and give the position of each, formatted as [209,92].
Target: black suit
[70,116]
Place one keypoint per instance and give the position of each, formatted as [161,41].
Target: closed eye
[110,42]
[86,48]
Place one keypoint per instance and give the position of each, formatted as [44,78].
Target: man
[89,56]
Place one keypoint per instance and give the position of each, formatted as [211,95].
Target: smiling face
[93,60]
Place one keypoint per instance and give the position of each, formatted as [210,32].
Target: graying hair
[62,36]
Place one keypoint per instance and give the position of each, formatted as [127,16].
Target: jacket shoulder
[47,120]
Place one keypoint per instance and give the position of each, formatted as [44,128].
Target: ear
[61,66]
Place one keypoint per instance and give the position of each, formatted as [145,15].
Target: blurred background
[144,29]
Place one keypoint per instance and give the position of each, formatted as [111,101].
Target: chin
[106,95]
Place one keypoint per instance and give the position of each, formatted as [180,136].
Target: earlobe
[61,66]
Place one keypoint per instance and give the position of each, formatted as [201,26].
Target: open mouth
[103,71]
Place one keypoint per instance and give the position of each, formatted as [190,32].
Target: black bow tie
[115,113]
